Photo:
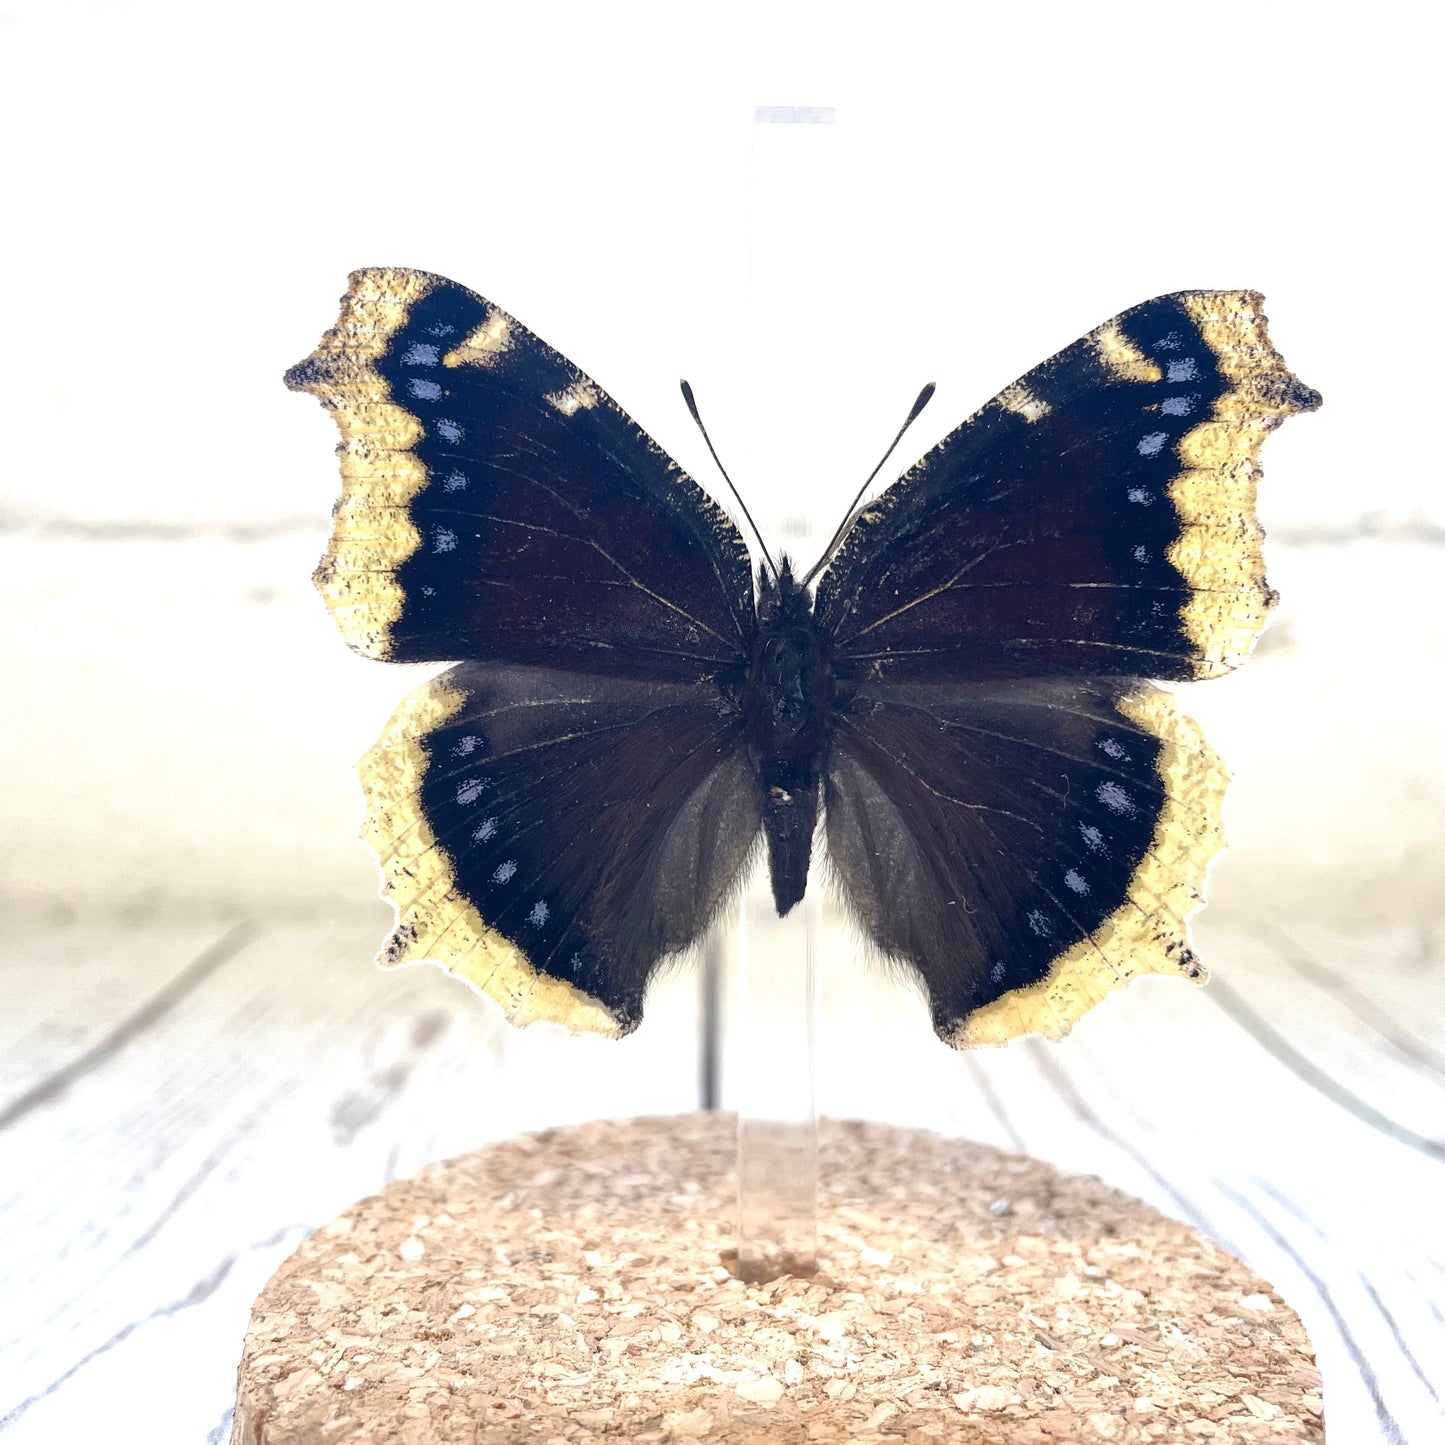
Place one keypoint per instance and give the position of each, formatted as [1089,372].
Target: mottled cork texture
[567,1287]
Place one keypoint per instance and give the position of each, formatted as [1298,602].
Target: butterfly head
[783,601]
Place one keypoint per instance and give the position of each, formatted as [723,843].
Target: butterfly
[1011,807]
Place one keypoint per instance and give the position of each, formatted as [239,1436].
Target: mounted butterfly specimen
[1009,806]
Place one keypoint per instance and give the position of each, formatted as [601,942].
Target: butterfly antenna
[851,515]
[687,396]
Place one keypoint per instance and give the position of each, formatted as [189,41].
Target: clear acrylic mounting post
[774,1053]
[769,1011]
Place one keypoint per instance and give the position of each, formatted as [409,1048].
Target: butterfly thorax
[787,702]
[789,689]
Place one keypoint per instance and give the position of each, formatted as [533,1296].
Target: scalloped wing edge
[1218,552]
[372,533]
[435,922]
[1149,932]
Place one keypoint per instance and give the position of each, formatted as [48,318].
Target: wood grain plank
[158,1190]
[51,1084]
[63,1000]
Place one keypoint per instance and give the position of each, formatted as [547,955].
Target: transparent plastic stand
[775,1024]
[760,1013]
[759,1056]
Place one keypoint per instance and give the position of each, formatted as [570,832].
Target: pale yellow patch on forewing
[1233,325]
[486,344]
[1148,933]
[435,923]
[580,396]
[1019,399]
[1122,357]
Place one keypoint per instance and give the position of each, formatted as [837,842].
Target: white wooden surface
[181,1107]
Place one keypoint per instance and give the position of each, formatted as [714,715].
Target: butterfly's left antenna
[692,407]
[851,515]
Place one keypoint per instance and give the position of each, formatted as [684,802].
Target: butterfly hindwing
[1024,846]
[1096,518]
[551,836]
[498,504]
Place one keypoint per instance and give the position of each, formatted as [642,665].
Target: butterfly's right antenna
[851,516]
[692,407]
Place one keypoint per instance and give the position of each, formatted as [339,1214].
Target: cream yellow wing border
[372,533]
[435,922]
[1218,551]
[1149,932]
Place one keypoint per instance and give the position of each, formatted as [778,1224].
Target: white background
[188,188]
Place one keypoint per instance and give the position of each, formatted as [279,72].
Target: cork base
[567,1287]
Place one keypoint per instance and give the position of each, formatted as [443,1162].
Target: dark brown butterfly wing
[498,504]
[1024,846]
[568,807]
[1012,811]
[1095,519]
[551,836]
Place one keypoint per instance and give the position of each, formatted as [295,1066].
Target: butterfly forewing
[1096,518]
[498,503]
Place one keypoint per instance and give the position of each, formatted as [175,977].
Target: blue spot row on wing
[1163,412]
[1145,422]
[452,420]
[1172,406]
[1087,484]
[470,802]
[412,365]
[1102,828]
